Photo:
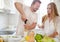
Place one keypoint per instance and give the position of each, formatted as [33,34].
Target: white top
[58,25]
[49,27]
[32,17]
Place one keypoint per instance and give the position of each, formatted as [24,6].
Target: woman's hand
[54,34]
[40,26]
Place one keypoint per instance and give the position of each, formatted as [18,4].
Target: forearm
[54,34]
[19,7]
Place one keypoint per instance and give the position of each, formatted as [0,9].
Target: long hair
[54,12]
[54,9]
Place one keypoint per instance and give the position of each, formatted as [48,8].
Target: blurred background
[9,16]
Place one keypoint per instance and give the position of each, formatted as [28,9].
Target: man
[28,17]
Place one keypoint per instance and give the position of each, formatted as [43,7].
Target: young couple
[28,18]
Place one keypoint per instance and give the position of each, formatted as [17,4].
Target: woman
[51,21]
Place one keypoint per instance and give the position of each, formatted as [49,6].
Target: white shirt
[49,27]
[57,21]
[32,17]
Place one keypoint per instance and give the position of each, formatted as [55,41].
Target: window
[1,4]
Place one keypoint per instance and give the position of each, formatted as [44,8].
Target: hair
[54,9]
[54,12]
[34,1]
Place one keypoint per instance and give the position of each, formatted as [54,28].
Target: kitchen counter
[10,38]
[8,31]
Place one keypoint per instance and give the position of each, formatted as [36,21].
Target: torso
[32,17]
[49,27]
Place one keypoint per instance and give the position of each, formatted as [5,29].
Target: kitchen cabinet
[3,20]
[8,20]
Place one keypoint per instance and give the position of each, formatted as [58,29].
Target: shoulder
[57,19]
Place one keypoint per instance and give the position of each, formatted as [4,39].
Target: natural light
[41,12]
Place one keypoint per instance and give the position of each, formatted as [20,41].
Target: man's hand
[27,26]
[30,27]
[23,17]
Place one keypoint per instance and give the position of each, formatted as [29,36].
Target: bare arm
[19,7]
[54,34]
[29,27]
[43,20]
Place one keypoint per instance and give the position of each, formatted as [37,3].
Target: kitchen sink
[6,32]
